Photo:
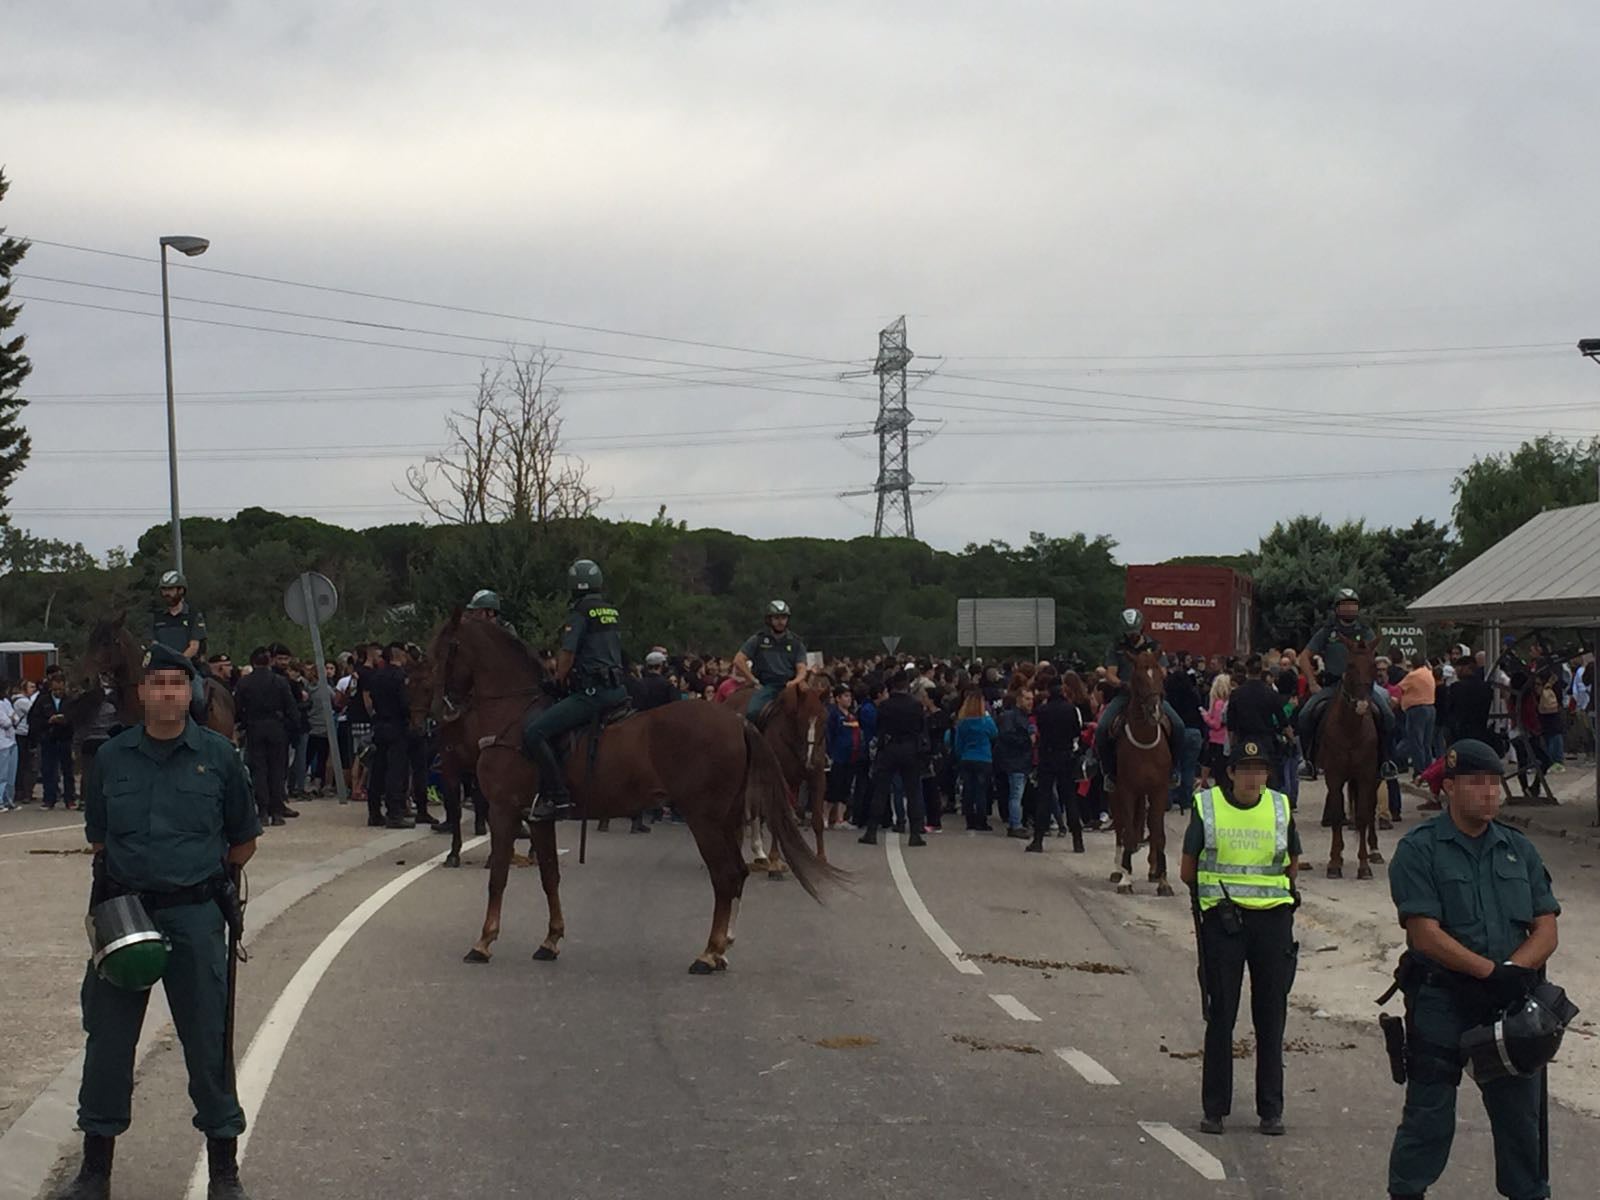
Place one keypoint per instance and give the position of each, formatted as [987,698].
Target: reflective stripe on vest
[1238,862]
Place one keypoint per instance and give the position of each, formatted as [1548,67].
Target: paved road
[614,1073]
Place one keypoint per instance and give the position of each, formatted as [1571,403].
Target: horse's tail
[768,797]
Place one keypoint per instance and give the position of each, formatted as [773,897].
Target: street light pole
[190,246]
[1590,349]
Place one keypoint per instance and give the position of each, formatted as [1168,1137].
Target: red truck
[1201,610]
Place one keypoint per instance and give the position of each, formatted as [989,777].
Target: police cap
[164,658]
[1257,750]
[1472,757]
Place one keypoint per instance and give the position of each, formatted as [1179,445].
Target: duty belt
[195,893]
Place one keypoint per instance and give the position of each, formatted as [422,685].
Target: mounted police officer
[589,666]
[1480,921]
[485,605]
[165,808]
[1239,859]
[181,627]
[1333,642]
[1131,642]
[771,660]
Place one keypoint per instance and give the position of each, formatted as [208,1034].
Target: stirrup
[1388,771]
[550,806]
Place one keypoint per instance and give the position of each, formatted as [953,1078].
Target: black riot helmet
[1521,1040]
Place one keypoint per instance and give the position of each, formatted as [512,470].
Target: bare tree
[504,460]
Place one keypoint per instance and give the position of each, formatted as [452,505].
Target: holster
[1410,1057]
[1394,1041]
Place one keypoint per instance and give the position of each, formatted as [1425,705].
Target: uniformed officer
[1480,920]
[1131,642]
[589,665]
[771,660]
[901,721]
[1333,642]
[182,627]
[1239,859]
[485,606]
[266,709]
[165,806]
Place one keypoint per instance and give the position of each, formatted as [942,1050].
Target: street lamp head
[187,245]
[1589,347]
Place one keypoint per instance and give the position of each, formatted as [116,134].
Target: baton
[236,955]
[1200,952]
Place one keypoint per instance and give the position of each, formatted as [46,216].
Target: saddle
[764,718]
[614,715]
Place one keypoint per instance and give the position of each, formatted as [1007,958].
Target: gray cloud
[1066,179]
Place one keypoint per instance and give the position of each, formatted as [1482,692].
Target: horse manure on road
[1049,964]
[1302,1046]
[1243,1048]
[853,1041]
[977,1043]
[74,850]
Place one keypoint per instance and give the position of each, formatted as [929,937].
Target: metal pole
[325,690]
[172,418]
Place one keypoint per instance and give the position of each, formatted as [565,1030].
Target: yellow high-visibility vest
[1246,855]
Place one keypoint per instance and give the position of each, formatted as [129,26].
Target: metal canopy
[1546,573]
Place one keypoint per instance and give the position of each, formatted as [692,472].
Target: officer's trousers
[1267,946]
[1428,1122]
[386,779]
[196,983]
[897,758]
[267,752]
[761,697]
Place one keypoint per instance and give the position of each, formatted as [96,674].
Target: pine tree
[14,366]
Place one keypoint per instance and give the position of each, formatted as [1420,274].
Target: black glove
[1510,984]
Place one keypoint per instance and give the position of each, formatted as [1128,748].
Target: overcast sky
[1065,200]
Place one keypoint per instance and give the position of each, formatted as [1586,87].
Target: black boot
[223,1156]
[638,825]
[554,800]
[93,1181]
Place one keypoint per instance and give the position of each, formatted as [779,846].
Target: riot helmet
[1522,1039]
[584,577]
[1132,622]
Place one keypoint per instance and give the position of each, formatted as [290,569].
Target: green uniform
[593,636]
[177,630]
[1485,892]
[166,812]
[1333,640]
[774,659]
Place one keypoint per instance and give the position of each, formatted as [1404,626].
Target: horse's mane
[502,640]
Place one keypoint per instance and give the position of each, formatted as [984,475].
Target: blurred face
[1474,799]
[165,696]
[1347,610]
[1249,779]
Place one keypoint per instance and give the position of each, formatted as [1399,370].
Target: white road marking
[1091,1071]
[1014,1008]
[1207,1164]
[42,832]
[272,1038]
[919,910]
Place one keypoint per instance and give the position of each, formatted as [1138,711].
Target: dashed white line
[1014,1008]
[1208,1165]
[1091,1071]
[919,910]
[272,1038]
[41,832]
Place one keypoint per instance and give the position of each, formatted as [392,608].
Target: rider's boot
[554,800]
[222,1157]
[93,1181]
[1108,764]
[1386,769]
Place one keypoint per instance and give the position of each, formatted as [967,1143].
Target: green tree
[1302,562]
[14,366]
[1498,494]
[1415,558]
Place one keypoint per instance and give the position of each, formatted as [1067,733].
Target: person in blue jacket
[972,745]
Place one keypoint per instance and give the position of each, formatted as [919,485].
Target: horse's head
[1360,669]
[806,707]
[1149,679]
[477,658]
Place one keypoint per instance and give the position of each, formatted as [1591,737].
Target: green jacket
[1484,891]
[167,811]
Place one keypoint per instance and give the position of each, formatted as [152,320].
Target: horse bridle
[1149,707]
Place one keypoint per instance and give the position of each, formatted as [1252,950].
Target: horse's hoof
[1375,857]
[1385,823]
[1164,888]
[475,956]
[544,954]
[1363,872]
[1116,877]
[1152,878]
[776,875]
[722,963]
[452,860]
[700,967]
[1335,872]
[1125,889]
[759,863]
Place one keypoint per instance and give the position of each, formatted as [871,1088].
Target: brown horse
[797,731]
[116,656]
[1144,777]
[1348,756]
[702,759]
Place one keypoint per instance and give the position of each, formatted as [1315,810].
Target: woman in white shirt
[8,753]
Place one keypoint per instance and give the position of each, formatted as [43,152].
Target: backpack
[1547,700]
